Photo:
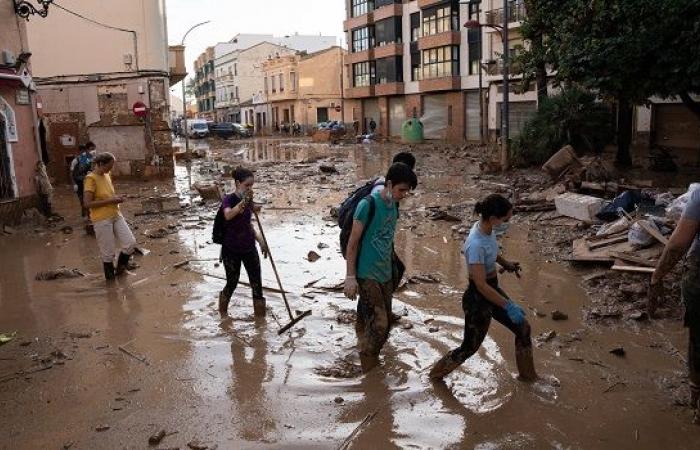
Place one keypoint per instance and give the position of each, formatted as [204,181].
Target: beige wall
[63,44]
[320,74]
[250,73]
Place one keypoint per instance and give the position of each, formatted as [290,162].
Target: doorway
[7,191]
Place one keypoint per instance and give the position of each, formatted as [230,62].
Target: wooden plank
[633,259]
[653,232]
[635,269]
[607,242]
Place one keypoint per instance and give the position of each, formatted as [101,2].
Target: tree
[625,50]
[534,65]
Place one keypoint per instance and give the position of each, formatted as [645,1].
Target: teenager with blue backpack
[372,269]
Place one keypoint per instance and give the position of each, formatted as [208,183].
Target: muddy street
[96,366]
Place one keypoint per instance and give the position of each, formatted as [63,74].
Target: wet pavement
[152,352]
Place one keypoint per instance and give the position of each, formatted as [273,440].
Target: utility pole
[188,154]
[505,119]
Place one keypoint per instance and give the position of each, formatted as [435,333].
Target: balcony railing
[516,13]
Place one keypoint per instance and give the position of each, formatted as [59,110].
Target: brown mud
[234,383]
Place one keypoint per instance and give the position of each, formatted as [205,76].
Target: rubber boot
[122,263]
[526,364]
[109,271]
[223,303]
[443,367]
[259,307]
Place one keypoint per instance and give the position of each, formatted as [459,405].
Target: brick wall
[455,131]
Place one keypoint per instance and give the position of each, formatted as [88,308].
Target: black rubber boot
[443,367]
[223,303]
[122,263]
[109,271]
[259,307]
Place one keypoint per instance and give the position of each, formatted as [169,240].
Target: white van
[197,128]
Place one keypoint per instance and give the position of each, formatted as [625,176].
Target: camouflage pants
[373,315]
[478,312]
[691,299]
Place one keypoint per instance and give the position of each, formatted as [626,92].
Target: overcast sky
[230,17]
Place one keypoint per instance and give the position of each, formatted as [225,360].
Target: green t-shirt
[374,261]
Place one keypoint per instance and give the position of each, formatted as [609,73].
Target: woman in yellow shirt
[110,227]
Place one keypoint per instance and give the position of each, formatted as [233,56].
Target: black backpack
[346,224]
[219,226]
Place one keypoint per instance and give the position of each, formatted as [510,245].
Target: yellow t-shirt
[102,188]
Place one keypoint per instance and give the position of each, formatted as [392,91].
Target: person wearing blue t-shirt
[483,299]
[685,241]
[370,262]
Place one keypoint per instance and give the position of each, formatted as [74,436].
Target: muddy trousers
[373,316]
[478,312]
[232,264]
[112,235]
[691,299]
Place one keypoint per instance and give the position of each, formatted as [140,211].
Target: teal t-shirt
[374,261]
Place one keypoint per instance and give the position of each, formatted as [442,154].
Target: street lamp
[188,155]
[24,8]
[505,119]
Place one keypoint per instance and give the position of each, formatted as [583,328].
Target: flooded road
[234,383]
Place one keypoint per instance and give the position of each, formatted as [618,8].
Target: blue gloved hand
[515,312]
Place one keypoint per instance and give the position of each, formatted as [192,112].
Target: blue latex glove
[515,312]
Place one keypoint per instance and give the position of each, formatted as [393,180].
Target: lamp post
[188,155]
[505,112]
[24,8]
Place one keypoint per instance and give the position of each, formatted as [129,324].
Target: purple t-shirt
[238,235]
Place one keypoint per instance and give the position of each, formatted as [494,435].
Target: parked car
[224,130]
[197,128]
[241,131]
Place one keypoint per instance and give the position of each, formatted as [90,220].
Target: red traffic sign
[139,109]
[338,108]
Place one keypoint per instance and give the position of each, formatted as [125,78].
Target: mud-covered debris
[196,445]
[346,316]
[208,191]
[339,400]
[101,428]
[633,289]
[67,229]
[68,445]
[558,315]
[546,336]
[444,215]
[407,326]
[433,329]
[80,335]
[155,439]
[313,256]
[341,368]
[539,313]
[322,245]
[58,274]
[423,278]
[328,169]
[58,354]
[8,230]
[639,316]
[618,351]
[6,337]
[160,233]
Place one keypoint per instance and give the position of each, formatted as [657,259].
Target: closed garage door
[397,115]
[473,117]
[519,113]
[676,127]
[434,116]
[370,109]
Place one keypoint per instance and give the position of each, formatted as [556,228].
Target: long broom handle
[274,267]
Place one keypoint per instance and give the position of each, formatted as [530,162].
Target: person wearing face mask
[238,247]
[370,266]
[111,230]
[484,299]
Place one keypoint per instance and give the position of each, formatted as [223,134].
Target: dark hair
[103,158]
[406,158]
[400,173]
[82,147]
[241,174]
[90,144]
[494,205]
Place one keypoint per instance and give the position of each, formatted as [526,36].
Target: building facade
[415,59]
[20,147]
[94,65]
[305,88]
[205,85]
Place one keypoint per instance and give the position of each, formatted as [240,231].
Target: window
[389,70]
[415,66]
[415,27]
[237,92]
[441,19]
[441,62]
[361,7]
[274,88]
[265,85]
[235,69]
[474,42]
[388,31]
[363,74]
[281,83]
[293,81]
[362,39]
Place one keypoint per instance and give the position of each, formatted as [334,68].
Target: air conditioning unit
[8,58]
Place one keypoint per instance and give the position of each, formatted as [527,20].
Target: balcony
[385,89]
[422,4]
[360,92]
[439,40]
[359,21]
[391,10]
[516,13]
[388,50]
[352,58]
[176,63]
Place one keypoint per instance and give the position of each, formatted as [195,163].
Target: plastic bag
[676,208]
[615,227]
[638,236]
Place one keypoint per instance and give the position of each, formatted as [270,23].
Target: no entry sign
[139,109]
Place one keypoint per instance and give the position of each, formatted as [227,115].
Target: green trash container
[412,131]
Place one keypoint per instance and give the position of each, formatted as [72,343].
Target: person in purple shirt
[239,243]
[684,242]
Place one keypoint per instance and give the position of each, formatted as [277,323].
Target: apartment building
[415,58]
[92,64]
[205,84]
[235,79]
